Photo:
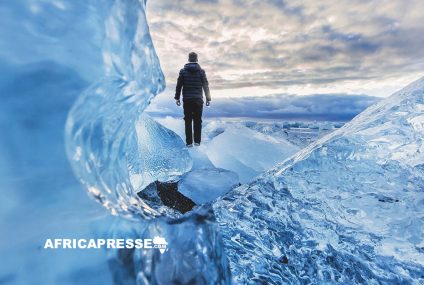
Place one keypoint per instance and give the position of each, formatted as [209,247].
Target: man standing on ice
[192,80]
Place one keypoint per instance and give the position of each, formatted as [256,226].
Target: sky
[269,48]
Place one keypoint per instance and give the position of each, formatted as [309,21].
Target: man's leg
[188,118]
[197,118]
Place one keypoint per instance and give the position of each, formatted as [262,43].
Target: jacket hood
[192,66]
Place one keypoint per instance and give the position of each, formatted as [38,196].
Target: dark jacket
[192,80]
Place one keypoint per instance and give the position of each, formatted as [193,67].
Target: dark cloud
[324,107]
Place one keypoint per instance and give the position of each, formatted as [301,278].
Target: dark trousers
[193,120]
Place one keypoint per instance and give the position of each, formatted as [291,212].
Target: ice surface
[247,152]
[229,150]
[300,134]
[174,124]
[205,185]
[205,182]
[51,52]
[48,56]
[105,132]
[346,209]
[194,254]
[218,162]
[161,154]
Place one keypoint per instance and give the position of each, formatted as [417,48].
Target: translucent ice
[103,145]
[205,185]
[50,52]
[346,209]
[205,182]
[194,254]
[247,152]
[158,155]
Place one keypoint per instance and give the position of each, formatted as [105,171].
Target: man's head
[192,57]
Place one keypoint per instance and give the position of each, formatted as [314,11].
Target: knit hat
[192,57]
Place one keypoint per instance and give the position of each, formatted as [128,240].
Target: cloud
[323,107]
[293,43]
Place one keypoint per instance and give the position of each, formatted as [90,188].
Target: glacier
[346,209]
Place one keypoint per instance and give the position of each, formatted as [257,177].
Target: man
[192,80]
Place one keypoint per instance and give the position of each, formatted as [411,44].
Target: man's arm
[205,84]
[179,86]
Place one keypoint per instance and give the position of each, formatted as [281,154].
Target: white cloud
[292,46]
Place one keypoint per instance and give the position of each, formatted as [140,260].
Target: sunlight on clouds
[251,48]
[379,88]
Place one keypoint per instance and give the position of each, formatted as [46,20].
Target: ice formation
[247,152]
[205,183]
[194,254]
[106,150]
[346,209]
[158,155]
[230,153]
